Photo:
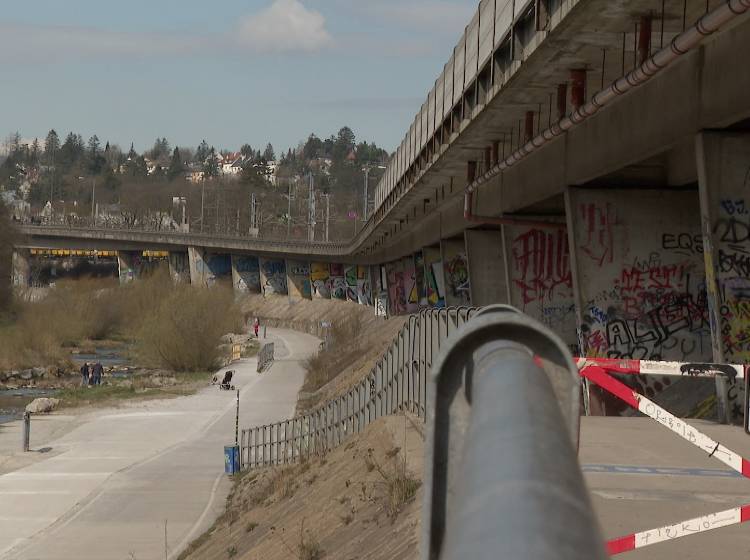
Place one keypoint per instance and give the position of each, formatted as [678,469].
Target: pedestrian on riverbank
[256,326]
[85,374]
[97,371]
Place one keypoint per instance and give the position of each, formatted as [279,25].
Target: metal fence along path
[398,382]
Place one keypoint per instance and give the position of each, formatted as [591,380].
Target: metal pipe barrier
[265,356]
[502,476]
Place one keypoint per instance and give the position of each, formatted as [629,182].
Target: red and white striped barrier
[672,369]
[597,371]
[682,529]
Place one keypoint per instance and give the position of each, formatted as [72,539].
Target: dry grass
[175,327]
[400,486]
[342,347]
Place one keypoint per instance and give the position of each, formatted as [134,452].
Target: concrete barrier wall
[298,279]
[639,274]
[246,274]
[273,276]
[540,280]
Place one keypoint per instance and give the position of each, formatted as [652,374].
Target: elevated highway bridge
[587,161]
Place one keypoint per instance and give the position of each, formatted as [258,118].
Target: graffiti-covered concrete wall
[434,277]
[724,173]
[246,274]
[337,281]
[540,281]
[456,272]
[640,294]
[419,276]
[273,276]
[128,263]
[206,268]
[364,285]
[411,292]
[21,269]
[378,277]
[320,280]
[396,296]
[298,279]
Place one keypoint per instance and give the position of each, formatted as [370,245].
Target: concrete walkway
[112,484]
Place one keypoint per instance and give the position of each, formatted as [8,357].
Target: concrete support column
[723,161]
[273,276]
[639,281]
[298,279]
[434,277]
[179,267]
[129,263]
[487,268]
[21,268]
[197,266]
[245,274]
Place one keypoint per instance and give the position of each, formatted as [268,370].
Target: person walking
[256,326]
[85,374]
[98,371]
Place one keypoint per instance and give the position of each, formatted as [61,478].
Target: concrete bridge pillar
[298,279]
[179,267]
[487,266]
[273,276]
[723,161]
[245,274]
[21,268]
[128,263]
[456,272]
[638,274]
[206,268]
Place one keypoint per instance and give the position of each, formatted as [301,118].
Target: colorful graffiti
[363,285]
[640,300]
[337,281]
[434,283]
[410,284]
[350,274]
[298,279]
[246,273]
[320,280]
[731,236]
[396,296]
[456,271]
[273,276]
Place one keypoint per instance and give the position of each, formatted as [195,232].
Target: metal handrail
[502,478]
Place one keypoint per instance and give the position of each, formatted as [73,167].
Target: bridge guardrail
[398,382]
[265,356]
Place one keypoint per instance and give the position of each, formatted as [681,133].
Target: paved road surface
[679,482]
[115,480]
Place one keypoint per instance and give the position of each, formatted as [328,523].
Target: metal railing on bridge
[398,382]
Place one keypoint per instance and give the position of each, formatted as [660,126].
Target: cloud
[284,26]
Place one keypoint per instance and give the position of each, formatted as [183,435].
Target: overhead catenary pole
[289,209]
[203,196]
[367,173]
[328,212]
[311,210]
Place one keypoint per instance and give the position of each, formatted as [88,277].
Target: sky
[229,71]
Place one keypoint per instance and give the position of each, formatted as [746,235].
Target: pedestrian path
[121,479]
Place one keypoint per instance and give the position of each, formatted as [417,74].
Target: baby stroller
[226,383]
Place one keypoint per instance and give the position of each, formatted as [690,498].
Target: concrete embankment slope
[119,477]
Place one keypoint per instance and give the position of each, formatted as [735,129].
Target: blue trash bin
[231,459]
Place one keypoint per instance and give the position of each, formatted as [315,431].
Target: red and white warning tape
[672,369]
[682,529]
[598,375]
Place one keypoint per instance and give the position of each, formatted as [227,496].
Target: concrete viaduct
[587,161]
